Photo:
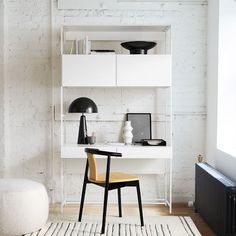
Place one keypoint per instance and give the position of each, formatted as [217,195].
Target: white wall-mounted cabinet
[143,70]
[116,70]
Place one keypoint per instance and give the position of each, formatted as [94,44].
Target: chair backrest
[92,160]
[92,166]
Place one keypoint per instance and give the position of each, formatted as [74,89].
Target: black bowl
[138,47]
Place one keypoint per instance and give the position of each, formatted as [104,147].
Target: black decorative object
[103,51]
[83,105]
[138,47]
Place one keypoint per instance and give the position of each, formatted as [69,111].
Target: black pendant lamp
[83,105]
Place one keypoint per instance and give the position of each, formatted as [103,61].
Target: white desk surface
[128,151]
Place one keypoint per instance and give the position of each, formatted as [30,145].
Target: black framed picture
[142,126]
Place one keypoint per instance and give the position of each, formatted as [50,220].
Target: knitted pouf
[24,206]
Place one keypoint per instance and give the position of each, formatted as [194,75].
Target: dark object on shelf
[215,199]
[83,105]
[91,139]
[153,142]
[141,123]
[138,47]
[102,50]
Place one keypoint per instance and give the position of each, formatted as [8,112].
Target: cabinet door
[144,70]
[89,70]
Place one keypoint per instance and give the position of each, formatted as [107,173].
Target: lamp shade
[83,105]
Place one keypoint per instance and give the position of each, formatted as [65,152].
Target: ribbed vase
[127,133]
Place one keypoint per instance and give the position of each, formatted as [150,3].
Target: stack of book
[83,46]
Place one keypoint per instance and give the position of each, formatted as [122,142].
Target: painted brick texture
[30,75]
[188,32]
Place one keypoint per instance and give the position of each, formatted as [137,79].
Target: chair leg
[104,211]
[82,201]
[140,204]
[83,191]
[119,202]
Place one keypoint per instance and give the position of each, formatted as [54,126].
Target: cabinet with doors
[118,69]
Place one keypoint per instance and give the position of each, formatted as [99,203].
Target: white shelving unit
[118,70]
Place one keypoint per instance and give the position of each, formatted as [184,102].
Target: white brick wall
[188,24]
[28,83]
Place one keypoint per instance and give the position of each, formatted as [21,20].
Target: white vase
[127,133]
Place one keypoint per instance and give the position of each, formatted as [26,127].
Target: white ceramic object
[24,206]
[127,133]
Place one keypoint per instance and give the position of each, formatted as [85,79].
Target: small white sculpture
[127,133]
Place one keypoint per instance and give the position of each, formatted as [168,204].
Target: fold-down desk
[144,155]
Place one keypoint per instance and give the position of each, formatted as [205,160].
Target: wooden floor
[179,209]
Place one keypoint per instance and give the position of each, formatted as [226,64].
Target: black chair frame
[108,186]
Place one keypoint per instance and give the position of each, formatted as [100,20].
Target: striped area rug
[164,226]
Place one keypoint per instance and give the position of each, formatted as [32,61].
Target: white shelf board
[115,33]
[115,28]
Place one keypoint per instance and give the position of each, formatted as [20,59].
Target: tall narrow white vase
[127,133]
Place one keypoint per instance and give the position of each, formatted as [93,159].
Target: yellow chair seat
[115,177]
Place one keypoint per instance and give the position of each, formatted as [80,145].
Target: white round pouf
[24,206]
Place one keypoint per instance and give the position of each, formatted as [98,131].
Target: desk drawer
[145,152]
[78,152]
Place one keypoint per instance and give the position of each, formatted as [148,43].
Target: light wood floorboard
[179,209]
